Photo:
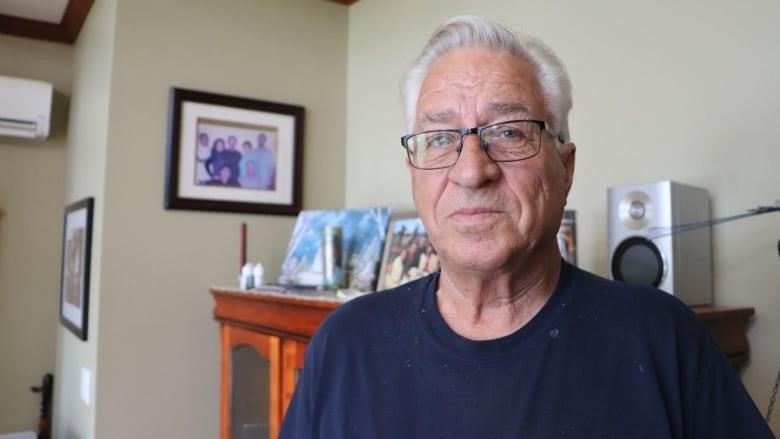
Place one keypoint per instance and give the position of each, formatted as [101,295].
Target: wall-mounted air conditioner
[25,107]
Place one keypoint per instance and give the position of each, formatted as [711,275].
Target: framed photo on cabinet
[408,253]
[76,252]
[362,241]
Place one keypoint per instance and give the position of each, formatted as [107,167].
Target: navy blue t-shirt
[600,360]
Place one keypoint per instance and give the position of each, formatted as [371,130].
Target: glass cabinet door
[250,394]
[253,384]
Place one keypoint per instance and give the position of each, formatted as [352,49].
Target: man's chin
[487,257]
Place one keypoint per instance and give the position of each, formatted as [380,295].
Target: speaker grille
[637,260]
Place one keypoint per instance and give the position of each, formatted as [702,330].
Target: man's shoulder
[629,303]
[638,321]
[603,290]
[375,312]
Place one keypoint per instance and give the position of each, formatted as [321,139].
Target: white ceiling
[50,11]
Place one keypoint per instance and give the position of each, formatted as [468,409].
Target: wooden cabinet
[729,327]
[277,326]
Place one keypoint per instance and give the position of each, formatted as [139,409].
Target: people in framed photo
[408,253]
[235,155]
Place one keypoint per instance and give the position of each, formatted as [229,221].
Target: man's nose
[473,167]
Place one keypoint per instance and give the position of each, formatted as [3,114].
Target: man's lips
[472,213]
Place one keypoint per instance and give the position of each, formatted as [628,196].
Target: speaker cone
[637,260]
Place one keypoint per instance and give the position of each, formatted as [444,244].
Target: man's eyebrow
[438,117]
[506,108]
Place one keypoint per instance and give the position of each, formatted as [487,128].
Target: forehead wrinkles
[497,109]
[485,88]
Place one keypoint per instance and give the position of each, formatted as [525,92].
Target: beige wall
[85,177]
[662,90]
[31,191]
[153,346]
[157,347]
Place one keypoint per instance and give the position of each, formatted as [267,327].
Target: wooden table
[729,327]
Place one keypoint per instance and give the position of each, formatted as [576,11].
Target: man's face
[479,214]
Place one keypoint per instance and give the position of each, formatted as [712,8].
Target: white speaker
[646,247]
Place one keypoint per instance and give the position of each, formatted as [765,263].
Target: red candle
[243,246]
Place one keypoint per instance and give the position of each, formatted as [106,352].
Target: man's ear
[568,154]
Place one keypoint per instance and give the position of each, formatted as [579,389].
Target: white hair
[467,30]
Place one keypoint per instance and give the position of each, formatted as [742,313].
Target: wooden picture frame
[76,253]
[408,253]
[233,154]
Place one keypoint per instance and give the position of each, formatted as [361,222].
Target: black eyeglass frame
[543,126]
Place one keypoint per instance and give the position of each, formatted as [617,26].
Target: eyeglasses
[509,141]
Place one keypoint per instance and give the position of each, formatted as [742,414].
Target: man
[507,341]
[266,163]
[249,176]
[233,157]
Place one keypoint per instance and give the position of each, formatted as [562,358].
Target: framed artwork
[408,253]
[74,280]
[233,154]
[362,239]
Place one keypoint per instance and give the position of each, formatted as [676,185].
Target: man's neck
[486,306]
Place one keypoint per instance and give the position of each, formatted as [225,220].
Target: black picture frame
[259,168]
[75,269]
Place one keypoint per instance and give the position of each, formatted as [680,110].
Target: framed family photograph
[76,250]
[233,154]
[408,253]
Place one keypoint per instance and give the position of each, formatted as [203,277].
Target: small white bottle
[257,275]
[246,280]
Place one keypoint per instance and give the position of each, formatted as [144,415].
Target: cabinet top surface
[308,296]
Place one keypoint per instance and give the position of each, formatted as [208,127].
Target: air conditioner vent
[25,107]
